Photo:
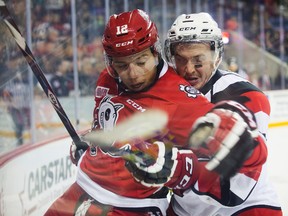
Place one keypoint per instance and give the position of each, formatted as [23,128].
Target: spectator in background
[60,81]
[87,76]
[280,81]
[264,79]
[232,24]
[265,82]
[16,94]
[254,79]
[234,67]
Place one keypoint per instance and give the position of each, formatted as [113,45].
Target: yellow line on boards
[278,124]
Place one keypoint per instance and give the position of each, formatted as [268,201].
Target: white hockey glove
[226,136]
[171,167]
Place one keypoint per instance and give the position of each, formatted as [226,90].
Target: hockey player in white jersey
[194,48]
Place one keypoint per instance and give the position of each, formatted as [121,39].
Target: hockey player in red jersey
[109,185]
[196,53]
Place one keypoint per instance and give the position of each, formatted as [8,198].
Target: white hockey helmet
[195,28]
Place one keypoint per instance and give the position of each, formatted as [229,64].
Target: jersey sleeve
[237,189]
[246,94]
[259,104]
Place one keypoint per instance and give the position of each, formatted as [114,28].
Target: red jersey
[107,171]
[212,189]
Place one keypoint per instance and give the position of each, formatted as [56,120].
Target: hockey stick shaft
[10,23]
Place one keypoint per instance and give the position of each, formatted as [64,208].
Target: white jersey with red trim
[245,190]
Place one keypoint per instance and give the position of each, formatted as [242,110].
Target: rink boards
[33,176]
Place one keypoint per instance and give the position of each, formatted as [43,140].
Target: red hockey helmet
[129,33]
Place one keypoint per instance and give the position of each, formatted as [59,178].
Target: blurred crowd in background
[52,42]
[51,37]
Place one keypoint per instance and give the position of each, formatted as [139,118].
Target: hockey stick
[146,124]
[10,23]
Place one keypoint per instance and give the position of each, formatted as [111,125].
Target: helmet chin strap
[216,64]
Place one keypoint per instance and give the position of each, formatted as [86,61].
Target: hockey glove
[171,167]
[226,136]
[77,151]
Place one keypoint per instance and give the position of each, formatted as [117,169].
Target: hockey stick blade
[141,125]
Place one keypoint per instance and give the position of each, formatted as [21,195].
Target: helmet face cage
[194,28]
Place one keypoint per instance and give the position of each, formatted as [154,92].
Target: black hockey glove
[226,136]
[77,151]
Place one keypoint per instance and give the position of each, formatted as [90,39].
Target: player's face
[137,71]
[194,62]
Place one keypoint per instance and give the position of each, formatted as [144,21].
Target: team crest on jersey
[101,91]
[189,90]
[108,113]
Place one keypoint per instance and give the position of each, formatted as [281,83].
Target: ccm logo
[123,44]
[187,28]
[135,105]
[188,173]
